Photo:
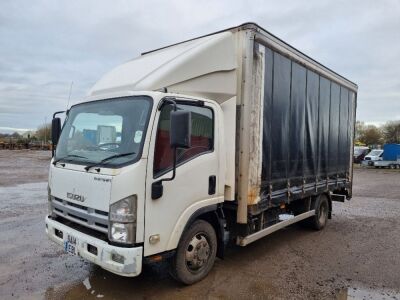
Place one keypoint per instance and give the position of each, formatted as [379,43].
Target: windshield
[375,152]
[97,130]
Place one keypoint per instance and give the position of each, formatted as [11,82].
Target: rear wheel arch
[313,222]
[322,200]
[330,204]
[315,201]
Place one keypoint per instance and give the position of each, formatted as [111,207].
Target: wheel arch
[214,216]
[330,205]
[328,196]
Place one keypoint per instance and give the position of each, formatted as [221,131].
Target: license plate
[70,245]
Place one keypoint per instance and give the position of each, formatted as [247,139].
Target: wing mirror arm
[157,187]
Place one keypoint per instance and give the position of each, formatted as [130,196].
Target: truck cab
[108,183]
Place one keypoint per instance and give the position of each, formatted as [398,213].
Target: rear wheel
[320,218]
[196,253]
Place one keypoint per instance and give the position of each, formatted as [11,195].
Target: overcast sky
[47,44]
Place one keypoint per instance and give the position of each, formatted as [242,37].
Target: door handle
[212,182]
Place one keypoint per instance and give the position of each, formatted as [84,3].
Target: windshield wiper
[68,156]
[88,167]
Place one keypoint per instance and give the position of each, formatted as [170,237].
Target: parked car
[359,153]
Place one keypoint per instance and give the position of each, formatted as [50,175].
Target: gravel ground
[355,257]
[23,166]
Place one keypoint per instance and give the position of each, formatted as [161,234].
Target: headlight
[124,210]
[123,220]
[123,233]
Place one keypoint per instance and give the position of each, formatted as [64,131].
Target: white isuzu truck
[218,140]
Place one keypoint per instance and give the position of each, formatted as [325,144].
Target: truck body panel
[308,124]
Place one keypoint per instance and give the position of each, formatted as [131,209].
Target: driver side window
[202,138]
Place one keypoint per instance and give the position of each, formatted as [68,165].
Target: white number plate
[70,245]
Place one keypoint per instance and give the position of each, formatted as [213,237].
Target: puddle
[355,293]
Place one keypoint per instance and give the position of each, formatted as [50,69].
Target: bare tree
[43,132]
[391,132]
[360,127]
[371,135]
[15,135]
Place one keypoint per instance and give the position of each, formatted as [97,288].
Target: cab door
[196,183]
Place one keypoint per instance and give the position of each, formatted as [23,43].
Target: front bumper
[131,266]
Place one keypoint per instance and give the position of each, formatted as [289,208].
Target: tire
[392,166]
[196,252]
[319,220]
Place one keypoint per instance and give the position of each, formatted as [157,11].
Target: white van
[374,155]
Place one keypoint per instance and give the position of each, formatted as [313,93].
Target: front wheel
[196,253]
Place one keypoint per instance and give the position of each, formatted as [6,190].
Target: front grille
[82,215]
[92,232]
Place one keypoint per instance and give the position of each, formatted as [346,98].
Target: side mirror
[181,129]
[55,130]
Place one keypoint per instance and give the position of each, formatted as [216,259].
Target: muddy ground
[356,257]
